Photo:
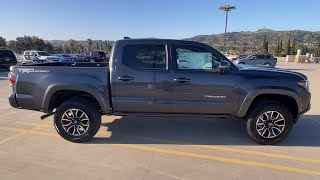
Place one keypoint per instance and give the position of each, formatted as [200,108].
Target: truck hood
[271,71]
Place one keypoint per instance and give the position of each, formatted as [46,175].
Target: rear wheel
[269,123]
[241,62]
[77,120]
[267,64]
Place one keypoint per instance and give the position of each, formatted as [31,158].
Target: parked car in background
[258,60]
[41,55]
[7,59]
[66,58]
[93,56]
[25,60]
[240,57]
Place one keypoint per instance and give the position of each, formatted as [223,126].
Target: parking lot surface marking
[221,159]
[179,153]
[221,148]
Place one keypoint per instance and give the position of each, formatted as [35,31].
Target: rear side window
[260,56]
[268,56]
[145,56]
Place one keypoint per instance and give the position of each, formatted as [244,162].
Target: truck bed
[37,84]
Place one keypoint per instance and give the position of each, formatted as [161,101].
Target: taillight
[12,79]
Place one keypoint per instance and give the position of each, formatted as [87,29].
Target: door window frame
[175,64]
[167,51]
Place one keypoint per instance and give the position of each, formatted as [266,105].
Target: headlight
[304,84]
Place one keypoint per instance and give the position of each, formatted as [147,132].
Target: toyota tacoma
[159,77]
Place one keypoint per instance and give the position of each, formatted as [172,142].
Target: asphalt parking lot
[158,148]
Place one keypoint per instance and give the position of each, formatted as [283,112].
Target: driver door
[198,85]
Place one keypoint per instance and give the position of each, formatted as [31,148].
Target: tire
[82,128]
[267,64]
[241,63]
[256,128]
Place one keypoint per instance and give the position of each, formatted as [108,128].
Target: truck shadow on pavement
[146,130]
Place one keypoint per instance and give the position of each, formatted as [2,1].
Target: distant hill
[255,39]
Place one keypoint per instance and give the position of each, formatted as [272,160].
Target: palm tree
[89,42]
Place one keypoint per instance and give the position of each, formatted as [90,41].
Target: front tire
[269,123]
[77,120]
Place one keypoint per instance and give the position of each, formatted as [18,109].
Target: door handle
[182,80]
[125,78]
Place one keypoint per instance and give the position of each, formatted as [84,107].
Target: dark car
[159,77]
[7,59]
[66,58]
[93,56]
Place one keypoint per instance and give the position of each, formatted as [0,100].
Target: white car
[42,55]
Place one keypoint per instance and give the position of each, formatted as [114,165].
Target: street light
[226,8]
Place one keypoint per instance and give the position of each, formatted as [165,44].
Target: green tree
[89,43]
[49,47]
[280,47]
[317,53]
[59,50]
[3,42]
[293,48]
[72,45]
[12,46]
[288,48]
[277,48]
[265,48]
[38,43]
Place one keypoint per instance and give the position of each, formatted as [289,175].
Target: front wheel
[77,120]
[269,124]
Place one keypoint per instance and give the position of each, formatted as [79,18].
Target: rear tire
[267,64]
[77,120]
[269,123]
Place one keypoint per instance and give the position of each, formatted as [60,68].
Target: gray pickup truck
[158,77]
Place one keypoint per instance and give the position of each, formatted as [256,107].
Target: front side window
[145,56]
[196,58]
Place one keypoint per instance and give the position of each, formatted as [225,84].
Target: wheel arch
[288,98]
[56,94]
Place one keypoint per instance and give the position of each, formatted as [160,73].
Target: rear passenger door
[143,83]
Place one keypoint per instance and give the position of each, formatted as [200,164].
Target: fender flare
[53,88]
[272,91]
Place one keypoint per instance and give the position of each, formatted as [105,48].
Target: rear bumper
[13,101]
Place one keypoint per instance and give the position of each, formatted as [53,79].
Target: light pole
[226,8]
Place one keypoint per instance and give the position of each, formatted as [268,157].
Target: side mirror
[224,66]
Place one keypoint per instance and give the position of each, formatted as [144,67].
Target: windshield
[42,53]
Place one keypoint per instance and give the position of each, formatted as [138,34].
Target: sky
[174,19]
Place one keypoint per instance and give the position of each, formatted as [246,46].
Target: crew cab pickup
[158,77]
